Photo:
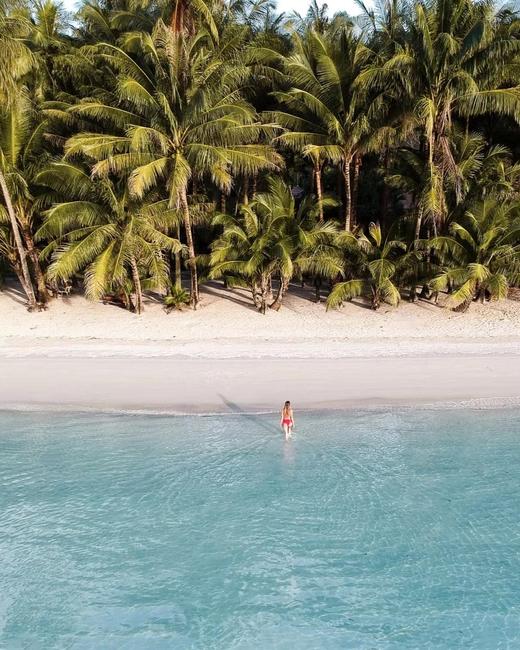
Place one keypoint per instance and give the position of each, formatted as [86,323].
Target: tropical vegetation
[149,147]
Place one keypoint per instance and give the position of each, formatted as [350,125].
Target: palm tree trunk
[415,244]
[178,267]
[194,288]
[339,192]
[319,192]
[425,291]
[317,288]
[385,196]
[43,294]
[245,199]
[348,194]
[255,290]
[376,299]
[27,286]
[355,189]
[282,289]
[263,293]
[269,287]
[418,224]
[137,286]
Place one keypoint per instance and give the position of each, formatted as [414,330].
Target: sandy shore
[239,385]
[227,357]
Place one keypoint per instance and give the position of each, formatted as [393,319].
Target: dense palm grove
[146,141]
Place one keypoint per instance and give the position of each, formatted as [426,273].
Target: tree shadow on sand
[14,290]
[230,295]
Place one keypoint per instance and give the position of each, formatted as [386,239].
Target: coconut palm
[330,116]
[452,60]
[177,105]
[299,126]
[383,21]
[268,239]
[22,129]
[102,232]
[481,255]
[477,170]
[316,18]
[17,61]
[50,43]
[372,265]
[183,119]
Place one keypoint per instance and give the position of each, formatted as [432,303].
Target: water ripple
[368,530]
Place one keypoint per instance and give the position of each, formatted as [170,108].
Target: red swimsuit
[287,419]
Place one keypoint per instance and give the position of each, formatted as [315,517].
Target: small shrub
[176,299]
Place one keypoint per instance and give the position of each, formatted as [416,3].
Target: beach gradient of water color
[391,529]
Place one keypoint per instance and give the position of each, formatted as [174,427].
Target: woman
[287,419]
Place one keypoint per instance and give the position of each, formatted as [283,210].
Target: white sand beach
[226,356]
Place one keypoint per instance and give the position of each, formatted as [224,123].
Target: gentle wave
[383,407]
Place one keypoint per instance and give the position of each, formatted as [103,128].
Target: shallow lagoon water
[368,530]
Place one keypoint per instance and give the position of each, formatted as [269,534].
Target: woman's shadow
[288,448]
[256,419]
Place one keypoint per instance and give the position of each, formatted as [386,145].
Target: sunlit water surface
[368,530]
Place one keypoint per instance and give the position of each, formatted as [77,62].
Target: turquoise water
[369,530]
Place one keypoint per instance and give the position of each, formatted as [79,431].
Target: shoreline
[502,404]
[226,357]
[206,386]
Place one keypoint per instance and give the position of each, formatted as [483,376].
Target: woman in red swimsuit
[287,420]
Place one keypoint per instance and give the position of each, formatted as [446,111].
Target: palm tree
[373,265]
[316,18]
[481,256]
[330,115]
[22,153]
[299,126]
[268,238]
[452,60]
[101,231]
[383,21]
[50,44]
[183,119]
[17,61]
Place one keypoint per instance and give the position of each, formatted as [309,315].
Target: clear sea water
[368,530]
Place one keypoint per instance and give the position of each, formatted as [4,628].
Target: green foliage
[135,126]
[102,232]
[268,238]
[372,267]
[454,60]
[481,255]
[177,298]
